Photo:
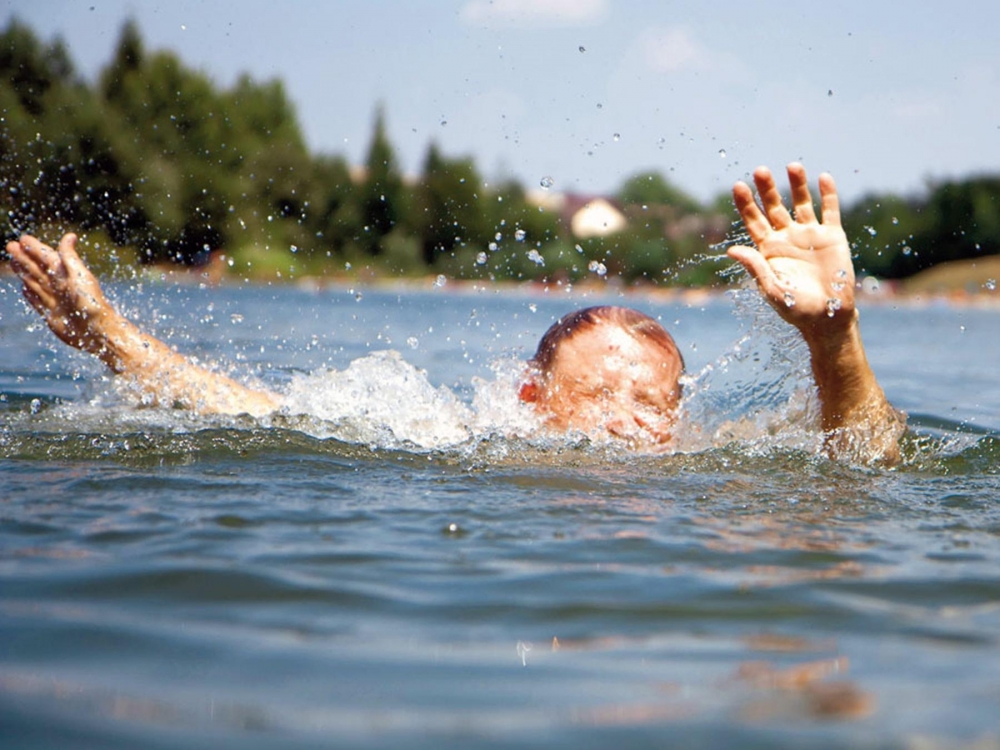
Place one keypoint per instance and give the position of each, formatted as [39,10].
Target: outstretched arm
[803,269]
[66,294]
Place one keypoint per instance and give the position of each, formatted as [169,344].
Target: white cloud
[533,13]
[673,50]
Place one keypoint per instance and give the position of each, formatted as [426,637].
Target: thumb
[67,245]
[755,264]
[68,254]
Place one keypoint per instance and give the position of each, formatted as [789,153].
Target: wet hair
[639,325]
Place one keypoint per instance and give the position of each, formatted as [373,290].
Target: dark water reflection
[169,581]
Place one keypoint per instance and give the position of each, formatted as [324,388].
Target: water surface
[174,581]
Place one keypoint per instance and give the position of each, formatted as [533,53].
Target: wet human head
[607,369]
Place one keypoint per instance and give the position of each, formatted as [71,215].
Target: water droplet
[498,236]
[533,307]
[616,137]
[838,286]
[789,299]
[357,296]
[522,651]
[546,182]
[991,284]
[36,405]
[441,280]
[493,247]
[871,230]
[722,153]
[582,48]
[536,257]
[895,220]
[907,249]
[832,305]
[578,249]
[869,285]
[597,267]
[519,235]
[481,258]
[413,342]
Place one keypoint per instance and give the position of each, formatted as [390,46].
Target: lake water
[425,571]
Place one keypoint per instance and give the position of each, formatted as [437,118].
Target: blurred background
[513,139]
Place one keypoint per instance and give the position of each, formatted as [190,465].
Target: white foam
[380,399]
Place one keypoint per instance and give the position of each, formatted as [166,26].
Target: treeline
[155,163]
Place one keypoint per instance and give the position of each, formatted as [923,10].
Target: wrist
[843,377]
[121,344]
[833,337]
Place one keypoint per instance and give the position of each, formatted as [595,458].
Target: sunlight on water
[381,400]
[755,398]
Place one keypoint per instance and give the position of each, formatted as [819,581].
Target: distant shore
[968,282]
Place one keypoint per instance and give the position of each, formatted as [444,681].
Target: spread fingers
[828,199]
[775,209]
[801,198]
[753,218]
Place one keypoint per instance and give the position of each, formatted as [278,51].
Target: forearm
[166,378]
[857,419]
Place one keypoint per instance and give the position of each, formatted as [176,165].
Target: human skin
[605,380]
[602,381]
[802,266]
[66,294]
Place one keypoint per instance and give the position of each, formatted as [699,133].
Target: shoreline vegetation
[961,283]
[165,175]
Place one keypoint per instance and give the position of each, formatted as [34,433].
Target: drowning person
[602,371]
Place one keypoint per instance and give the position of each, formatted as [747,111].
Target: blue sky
[885,95]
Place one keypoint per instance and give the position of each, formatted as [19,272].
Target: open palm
[63,291]
[802,266]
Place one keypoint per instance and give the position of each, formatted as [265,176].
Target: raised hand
[68,297]
[802,264]
[63,291]
[803,267]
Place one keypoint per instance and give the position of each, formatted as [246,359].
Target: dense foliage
[155,160]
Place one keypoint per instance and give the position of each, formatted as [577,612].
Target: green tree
[888,234]
[382,195]
[652,189]
[965,220]
[450,211]
[127,61]
[30,68]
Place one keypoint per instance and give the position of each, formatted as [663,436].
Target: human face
[604,380]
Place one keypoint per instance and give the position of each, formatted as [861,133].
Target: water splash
[536,257]
[595,266]
[354,404]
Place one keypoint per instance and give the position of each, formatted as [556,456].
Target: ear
[528,392]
